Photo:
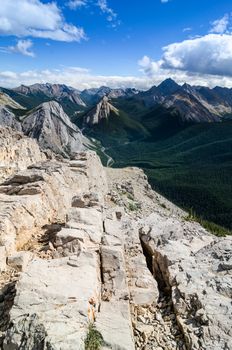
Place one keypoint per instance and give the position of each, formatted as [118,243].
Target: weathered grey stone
[184,257]
[2,258]
[58,298]
[17,152]
[7,118]
[19,260]
[113,323]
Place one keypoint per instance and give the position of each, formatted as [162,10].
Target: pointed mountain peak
[168,87]
[101,111]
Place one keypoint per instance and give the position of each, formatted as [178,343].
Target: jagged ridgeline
[179,135]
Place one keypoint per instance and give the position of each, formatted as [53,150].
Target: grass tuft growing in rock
[94,339]
[213,228]
[133,206]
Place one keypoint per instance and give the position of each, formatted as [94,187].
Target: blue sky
[137,43]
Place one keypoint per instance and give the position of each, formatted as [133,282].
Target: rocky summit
[101,111]
[93,258]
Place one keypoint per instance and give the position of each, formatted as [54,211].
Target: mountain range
[181,135]
[194,103]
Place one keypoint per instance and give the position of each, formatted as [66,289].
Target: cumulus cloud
[23,18]
[23,47]
[220,25]
[210,54]
[74,4]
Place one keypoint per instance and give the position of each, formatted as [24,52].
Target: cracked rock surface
[81,245]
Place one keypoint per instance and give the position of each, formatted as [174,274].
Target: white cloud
[23,47]
[149,67]
[74,4]
[32,18]
[209,54]
[220,25]
[204,60]
[111,15]
[82,78]
[187,29]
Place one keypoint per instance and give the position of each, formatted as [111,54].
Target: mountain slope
[6,100]
[197,105]
[53,129]
[7,118]
[192,167]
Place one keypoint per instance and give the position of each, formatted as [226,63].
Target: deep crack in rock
[164,312]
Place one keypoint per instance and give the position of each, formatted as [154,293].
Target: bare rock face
[194,108]
[7,118]
[193,268]
[17,152]
[102,111]
[89,252]
[53,130]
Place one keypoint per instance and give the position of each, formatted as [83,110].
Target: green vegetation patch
[94,339]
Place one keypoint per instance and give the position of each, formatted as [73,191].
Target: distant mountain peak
[101,111]
[53,91]
[168,87]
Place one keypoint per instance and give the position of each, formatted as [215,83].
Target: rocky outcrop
[91,254]
[17,152]
[192,307]
[193,269]
[53,130]
[101,111]
[7,118]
